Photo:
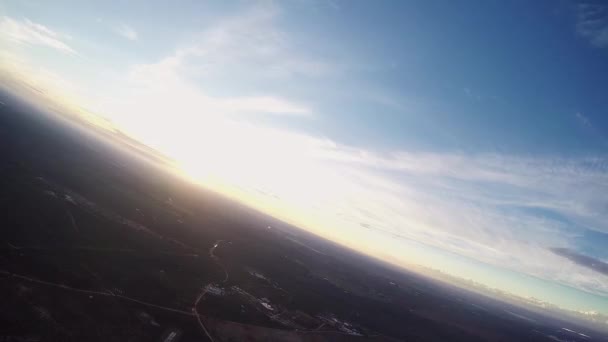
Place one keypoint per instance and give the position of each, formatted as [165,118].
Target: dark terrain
[100,246]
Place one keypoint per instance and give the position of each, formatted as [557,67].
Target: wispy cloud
[583,119]
[472,94]
[242,47]
[30,33]
[126,31]
[592,23]
[247,44]
[162,87]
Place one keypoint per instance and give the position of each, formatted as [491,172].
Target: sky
[467,137]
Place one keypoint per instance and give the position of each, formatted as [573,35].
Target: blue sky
[470,137]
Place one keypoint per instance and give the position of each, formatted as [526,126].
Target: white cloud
[29,33]
[126,31]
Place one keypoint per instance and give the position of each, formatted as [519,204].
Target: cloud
[498,209]
[583,119]
[593,131]
[126,31]
[249,44]
[592,23]
[244,48]
[162,87]
[264,104]
[472,94]
[501,210]
[584,260]
[29,33]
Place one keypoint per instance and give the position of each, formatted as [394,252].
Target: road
[217,260]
